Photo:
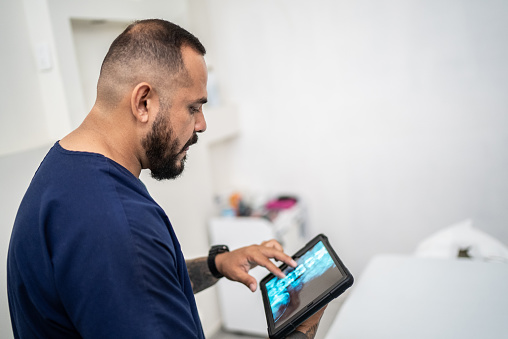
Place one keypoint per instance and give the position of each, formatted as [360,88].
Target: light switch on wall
[43,56]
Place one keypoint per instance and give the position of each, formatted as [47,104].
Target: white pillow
[462,236]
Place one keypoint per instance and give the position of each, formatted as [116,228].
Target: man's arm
[236,264]
[309,334]
[200,276]
[308,329]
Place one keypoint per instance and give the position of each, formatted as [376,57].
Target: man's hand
[308,329]
[236,264]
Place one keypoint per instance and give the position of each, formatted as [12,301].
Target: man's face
[178,121]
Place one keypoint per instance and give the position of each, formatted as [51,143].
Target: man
[91,254]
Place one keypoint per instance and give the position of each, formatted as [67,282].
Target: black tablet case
[324,298]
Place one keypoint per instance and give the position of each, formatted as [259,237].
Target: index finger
[279,255]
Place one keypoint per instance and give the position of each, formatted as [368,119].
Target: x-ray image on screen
[316,271]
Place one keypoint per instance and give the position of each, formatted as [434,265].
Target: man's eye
[194,110]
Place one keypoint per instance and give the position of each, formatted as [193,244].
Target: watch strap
[217,249]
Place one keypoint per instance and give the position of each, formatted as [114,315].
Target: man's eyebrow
[201,101]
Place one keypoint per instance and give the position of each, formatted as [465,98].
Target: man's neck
[101,135]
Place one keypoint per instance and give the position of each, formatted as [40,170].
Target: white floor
[325,324]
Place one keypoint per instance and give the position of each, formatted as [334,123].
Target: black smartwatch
[217,249]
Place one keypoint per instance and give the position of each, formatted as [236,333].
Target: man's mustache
[191,141]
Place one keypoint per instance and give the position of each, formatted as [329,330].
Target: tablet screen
[315,273]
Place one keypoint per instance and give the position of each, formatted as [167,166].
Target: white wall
[388,117]
[20,92]
[22,126]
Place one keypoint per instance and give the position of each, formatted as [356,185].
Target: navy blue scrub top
[92,255]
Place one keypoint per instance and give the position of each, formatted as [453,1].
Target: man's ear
[144,102]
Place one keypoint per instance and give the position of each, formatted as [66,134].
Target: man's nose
[200,125]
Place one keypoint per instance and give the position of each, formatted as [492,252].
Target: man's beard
[162,150]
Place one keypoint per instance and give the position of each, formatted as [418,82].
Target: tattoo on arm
[199,274]
[309,334]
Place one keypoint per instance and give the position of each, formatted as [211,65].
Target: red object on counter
[280,204]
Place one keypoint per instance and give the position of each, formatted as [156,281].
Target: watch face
[219,249]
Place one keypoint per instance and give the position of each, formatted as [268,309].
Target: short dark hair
[153,42]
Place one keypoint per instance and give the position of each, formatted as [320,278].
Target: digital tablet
[319,278]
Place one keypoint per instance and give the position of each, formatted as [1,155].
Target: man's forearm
[199,274]
[306,332]
[309,334]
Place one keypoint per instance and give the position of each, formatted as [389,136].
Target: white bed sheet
[402,297]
